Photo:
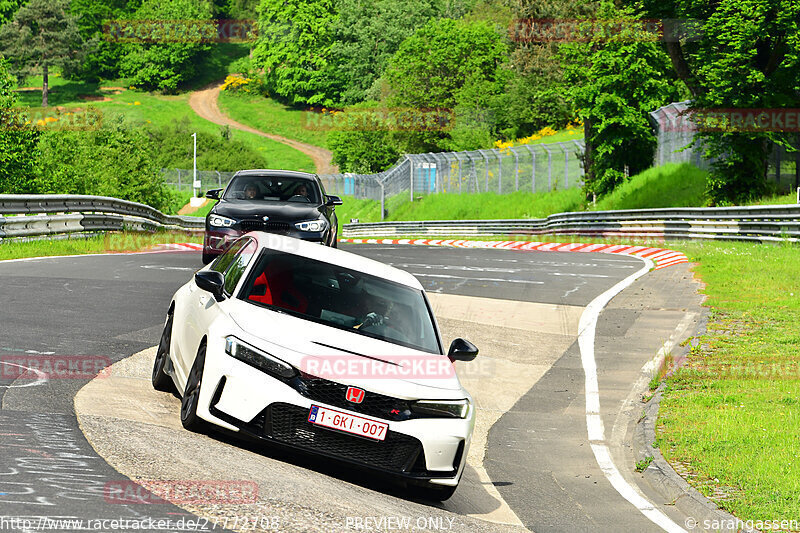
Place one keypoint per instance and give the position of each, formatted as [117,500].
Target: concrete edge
[667,482]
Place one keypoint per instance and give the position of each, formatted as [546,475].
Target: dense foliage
[615,80]
[17,145]
[743,54]
[164,64]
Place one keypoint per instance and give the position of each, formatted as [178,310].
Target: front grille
[260,225]
[288,424]
[332,393]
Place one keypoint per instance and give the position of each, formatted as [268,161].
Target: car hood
[243,209]
[373,364]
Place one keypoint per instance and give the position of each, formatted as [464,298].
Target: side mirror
[462,350]
[213,194]
[211,281]
[334,200]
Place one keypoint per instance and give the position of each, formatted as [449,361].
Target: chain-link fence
[182,179]
[527,167]
[675,132]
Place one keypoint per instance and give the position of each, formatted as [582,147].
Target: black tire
[207,258]
[161,381]
[191,396]
[433,492]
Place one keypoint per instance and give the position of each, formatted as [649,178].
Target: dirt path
[204,103]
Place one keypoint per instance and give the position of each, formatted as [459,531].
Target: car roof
[268,172]
[335,257]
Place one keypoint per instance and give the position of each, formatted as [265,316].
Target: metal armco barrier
[757,223]
[44,214]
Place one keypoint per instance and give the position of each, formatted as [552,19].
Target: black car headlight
[220,221]
[440,408]
[312,225]
[258,358]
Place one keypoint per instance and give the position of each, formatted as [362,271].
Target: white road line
[41,377]
[594,422]
[499,280]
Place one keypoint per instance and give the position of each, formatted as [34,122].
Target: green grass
[270,116]
[731,415]
[203,211]
[109,242]
[158,110]
[670,185]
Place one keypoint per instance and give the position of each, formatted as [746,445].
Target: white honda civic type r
[323,351]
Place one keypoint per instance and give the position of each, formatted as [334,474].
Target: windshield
[342,298]
[272,189]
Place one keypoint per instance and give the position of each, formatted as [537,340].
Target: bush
[224,153]
[18,147]
[164,65]
[116,160]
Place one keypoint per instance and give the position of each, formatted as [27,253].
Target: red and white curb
[661,257]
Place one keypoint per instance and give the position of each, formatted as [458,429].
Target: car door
[201,308]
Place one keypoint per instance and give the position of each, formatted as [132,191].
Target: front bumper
[241,398]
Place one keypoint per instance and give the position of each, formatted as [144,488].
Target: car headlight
[258,358]
[312,225]
[441,408]
[221,222]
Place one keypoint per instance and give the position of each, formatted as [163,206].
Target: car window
[239,264]
[273,189]
[222,262]
[342,298]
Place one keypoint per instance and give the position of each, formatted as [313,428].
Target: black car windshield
[273,189]
[342,298]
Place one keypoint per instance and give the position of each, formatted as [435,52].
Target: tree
[42,35]
[449,65]
[18,143]
[7,9]
[293,48]
[741,54]
[367,147]
[615,79]
[164,59]
[365,36]
[102,60]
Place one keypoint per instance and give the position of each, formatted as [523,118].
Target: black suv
[276,201]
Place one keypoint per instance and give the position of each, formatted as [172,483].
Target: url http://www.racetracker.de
[61,523]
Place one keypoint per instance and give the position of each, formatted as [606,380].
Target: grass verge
[267,115]
[106,243]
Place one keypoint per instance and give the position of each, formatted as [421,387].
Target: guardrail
[757,223]
[33,215]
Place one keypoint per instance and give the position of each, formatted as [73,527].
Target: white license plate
[329,418]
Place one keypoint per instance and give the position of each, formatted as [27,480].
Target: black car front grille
[260,225]
[332,393]
[288,424]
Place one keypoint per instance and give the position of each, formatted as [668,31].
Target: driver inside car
[250,191]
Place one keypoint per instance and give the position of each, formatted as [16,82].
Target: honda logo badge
[355,395]
[265,219]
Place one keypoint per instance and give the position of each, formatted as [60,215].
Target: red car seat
[278,287]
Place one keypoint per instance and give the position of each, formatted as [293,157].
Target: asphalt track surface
[112,306]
